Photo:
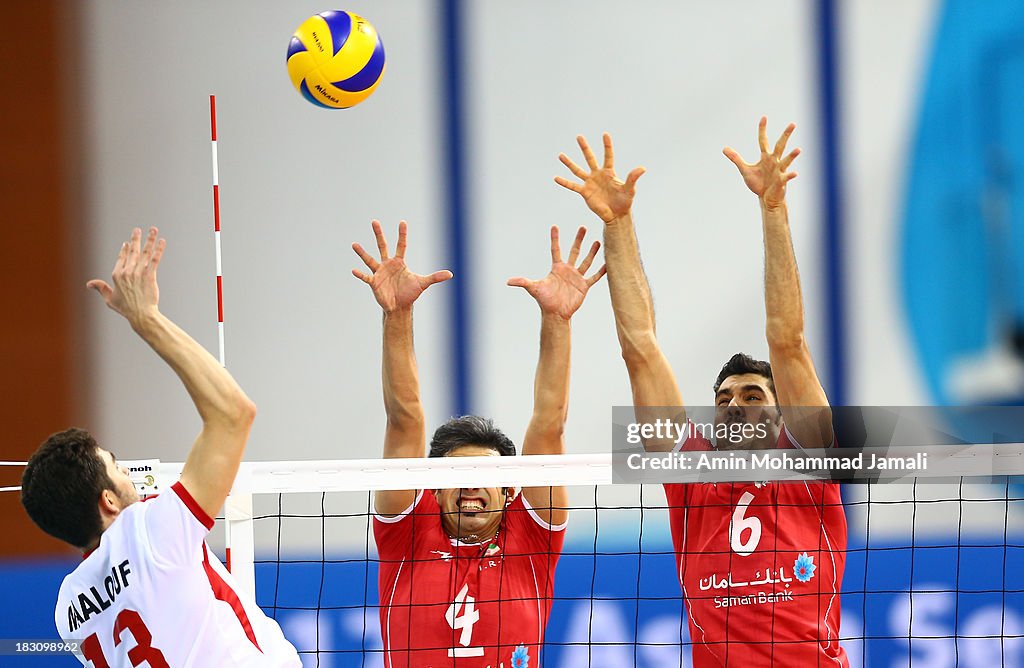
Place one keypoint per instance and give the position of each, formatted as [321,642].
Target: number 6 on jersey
[739,523]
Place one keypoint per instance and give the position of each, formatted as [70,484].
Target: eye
[754,397]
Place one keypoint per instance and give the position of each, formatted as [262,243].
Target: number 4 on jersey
[739,524]
[462,615]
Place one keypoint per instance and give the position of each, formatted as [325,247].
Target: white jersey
[152,594]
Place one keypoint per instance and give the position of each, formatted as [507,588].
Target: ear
[109,504]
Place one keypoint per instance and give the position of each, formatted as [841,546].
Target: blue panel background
[963,235]
[989,576]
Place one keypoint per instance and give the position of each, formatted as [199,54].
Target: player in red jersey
[760,564]
[466,575]
[149,591]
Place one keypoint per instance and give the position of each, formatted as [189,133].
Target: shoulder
[675,491]
[425,504]
[695,439]
[182,496]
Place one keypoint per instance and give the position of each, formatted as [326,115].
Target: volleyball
[335,59]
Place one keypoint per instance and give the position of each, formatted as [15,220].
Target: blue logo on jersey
[520,658]
[804,567]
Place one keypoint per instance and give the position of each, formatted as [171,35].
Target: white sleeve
[391,519]
[537,518]
[176,526]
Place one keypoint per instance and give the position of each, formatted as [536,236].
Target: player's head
[745,395]
[471,513]
[73,489]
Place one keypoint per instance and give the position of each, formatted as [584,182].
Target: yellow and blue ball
[336,59]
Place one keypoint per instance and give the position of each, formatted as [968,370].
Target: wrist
[553,318]
[144,320]
[774,206]
[623,220]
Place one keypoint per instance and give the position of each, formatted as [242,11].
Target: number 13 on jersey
[142,652]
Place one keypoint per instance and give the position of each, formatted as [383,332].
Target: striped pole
[216,226]
[220,288]
[238,509]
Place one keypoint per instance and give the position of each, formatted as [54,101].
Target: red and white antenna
[216,226]
[238,530]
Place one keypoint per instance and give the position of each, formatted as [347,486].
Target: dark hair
[742,363]
[62,484]
[469,430]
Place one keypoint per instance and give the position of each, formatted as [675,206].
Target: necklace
[493,547]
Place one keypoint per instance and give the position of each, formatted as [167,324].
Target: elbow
[248,410]
[638,352]
[404,416]
[548,427]
[245,412]
[785,341]
[237,414]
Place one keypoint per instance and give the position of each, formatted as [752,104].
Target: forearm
[630,292]
[400,381]
[216,395]
[551,382]
[546,433]
[796,380]
[650,376]
[784,308]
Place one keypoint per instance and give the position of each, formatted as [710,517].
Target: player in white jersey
[148,591]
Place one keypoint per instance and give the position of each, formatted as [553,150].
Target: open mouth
[471,506]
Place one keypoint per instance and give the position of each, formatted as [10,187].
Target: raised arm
[396,289]
[804,405]
[651,379]
[226,412]
[559,295]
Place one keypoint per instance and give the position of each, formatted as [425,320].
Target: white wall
[299,184]
[672,82]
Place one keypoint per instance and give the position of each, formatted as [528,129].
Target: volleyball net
[934,563]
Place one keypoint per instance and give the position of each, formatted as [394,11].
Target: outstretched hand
[603,192]
[135,291]
[767,178]
[393,285]
[562,291]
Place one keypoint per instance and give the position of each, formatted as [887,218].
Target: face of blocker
[472,514]
[746,415]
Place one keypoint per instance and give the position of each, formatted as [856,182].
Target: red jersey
[761,568]
[446,603]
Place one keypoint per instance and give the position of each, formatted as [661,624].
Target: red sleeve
[538,535]
[695,440]
[675,494]
[394,535]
